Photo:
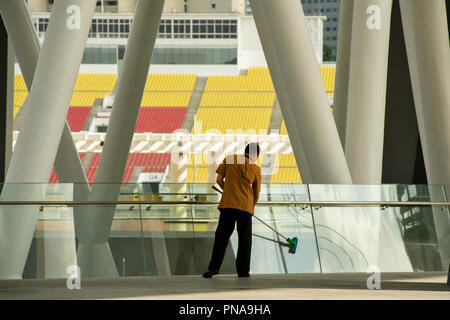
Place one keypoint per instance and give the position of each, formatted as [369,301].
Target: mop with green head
[291,243]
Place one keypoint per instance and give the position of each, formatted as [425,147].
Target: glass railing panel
[347,237]
[176,191]
[174,227]
[392,238]
[206,219]
[140,238]
[125,240]
[53,246]
[167,234]
[268,256]
[284,192]
[31,235]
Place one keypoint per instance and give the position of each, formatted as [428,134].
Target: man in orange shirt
[240,179]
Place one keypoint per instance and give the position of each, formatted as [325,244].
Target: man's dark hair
[252,148]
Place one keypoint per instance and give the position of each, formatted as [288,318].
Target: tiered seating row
[87,98]
[328,76]
[237,103]
[286,170]
[170,82]
[20,93]
[95,82]
[237,99]
[245,119]
[286,175]
[91,171]
[165,99]
[150,162]
[257,80]
[77,117]
[160,120]
[197,174]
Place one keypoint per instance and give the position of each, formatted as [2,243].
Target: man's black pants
[227,220]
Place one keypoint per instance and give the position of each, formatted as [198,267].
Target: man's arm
[256,187]
[220,181]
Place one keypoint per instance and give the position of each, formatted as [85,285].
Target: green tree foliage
[327,53]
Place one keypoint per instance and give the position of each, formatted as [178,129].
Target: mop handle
[220,191]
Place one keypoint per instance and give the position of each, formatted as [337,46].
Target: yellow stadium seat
[95,82]
[170,82]
[166,99]
[286,175]
[19,83]
[328,76]
[200,173]
[283,128]
[238,99]
[20,97]
[86,98]
[254,119]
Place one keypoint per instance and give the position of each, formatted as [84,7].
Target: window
[218,29]
[100,55]
[168,28]
[165,29]
[42,25]
[182,29]
[165,54]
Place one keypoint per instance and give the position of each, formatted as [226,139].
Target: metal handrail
[318,204]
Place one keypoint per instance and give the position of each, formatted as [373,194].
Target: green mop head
[292,244]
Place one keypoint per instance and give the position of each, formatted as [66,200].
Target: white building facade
[202,43]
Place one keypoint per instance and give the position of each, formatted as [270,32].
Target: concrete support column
[93,225]
[125,6]
[426,35]
[282,95]
[178,179]
[340,99]
[18,23]
[42,126]
[367,90]
[299,86]
[6,99]
[178,188]
[36,5]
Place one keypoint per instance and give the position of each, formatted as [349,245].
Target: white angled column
[94,224]
[427,45]
[300,89]
[126,6]
[36,5]
[20,27]
[282,96]
[340,99]
[42,126]
[178,186]
[367,90]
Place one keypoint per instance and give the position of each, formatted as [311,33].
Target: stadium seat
[160,120]
[77,117]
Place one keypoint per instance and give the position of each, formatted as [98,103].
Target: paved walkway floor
[424,285]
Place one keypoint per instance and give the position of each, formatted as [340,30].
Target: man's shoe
[208,274]
[244,275]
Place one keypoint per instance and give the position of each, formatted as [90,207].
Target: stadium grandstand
[245,101]
[241,93]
